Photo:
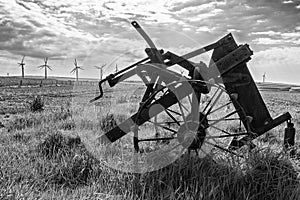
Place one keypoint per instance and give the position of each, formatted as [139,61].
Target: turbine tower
[76,68]
[45,66]
[22,64]
[264,77]
[101,70]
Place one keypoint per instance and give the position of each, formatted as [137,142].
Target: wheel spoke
[156,139]
[136,139]
[214,103]
[156,128]
[226,136]
[183,116]
[220,107]
[169,129]
[177,113]
[175,120]
[228,119]
[223,131]
[223,149]
[181,110]
[179,103]
[210,100]
[223,118]
[190,100]
[168,123]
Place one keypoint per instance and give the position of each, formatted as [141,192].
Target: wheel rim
[218,109]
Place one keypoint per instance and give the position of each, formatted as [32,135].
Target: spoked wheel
[161,130]
[202,126]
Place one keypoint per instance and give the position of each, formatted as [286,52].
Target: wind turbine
[45,66]
[76,68]
[22,64]
[264,77]
[101,70]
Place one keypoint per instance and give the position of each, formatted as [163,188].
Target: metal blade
[143,34]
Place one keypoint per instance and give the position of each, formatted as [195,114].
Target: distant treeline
[14,81]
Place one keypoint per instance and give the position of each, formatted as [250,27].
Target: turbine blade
[23,59]
[73,70]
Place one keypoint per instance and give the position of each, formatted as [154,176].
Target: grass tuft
[65,161]
[37,105]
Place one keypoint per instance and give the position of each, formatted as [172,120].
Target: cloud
[276,55]
[201,4]
[288,1]
[204,29]
[233,30]
[35,32]
[277,37]
[97,31]
[267,41]
[279,64]
[269,33]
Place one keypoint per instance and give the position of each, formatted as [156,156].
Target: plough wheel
[201,126]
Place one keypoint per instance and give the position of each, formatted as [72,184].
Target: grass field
[46,154]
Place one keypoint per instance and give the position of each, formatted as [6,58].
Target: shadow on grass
[62,163]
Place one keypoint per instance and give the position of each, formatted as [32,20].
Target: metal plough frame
[232,77]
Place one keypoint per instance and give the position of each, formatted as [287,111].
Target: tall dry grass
[43,157]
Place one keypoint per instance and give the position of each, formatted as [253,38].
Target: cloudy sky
[97,32]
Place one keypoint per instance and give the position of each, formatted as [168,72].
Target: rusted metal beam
[248,95]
